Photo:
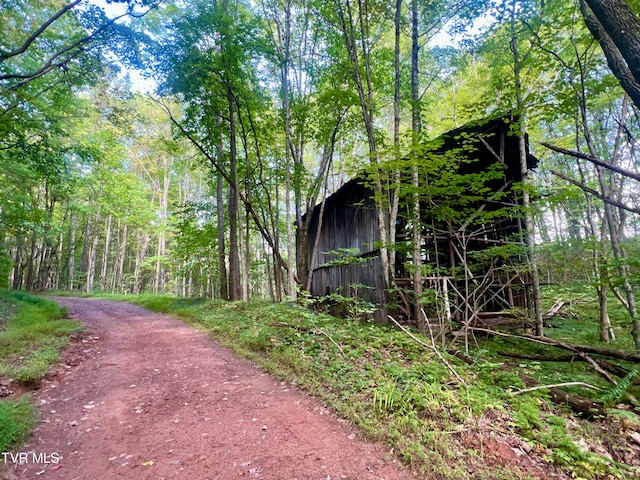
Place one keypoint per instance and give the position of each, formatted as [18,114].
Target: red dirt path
[143,396]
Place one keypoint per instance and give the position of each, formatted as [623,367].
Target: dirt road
[143,396]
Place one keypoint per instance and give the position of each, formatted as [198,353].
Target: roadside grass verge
[17,418]
[32,333]
[400,393]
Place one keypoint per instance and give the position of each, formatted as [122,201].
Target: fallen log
[555,309]
[604,351]
[581,405]
[612,368]
[540,358]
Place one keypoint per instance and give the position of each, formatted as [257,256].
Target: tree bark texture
[617,30]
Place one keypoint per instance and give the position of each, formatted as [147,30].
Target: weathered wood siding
[349,221]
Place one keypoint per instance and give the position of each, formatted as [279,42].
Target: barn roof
[483,140]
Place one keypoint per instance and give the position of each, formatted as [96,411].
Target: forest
[469,168]
[181,146]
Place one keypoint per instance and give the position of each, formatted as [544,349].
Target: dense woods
[254,112]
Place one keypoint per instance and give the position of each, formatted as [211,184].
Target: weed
[17,417]
[33,337]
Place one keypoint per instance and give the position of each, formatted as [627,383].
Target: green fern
[615,394]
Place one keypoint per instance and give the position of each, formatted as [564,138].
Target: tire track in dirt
[144,396]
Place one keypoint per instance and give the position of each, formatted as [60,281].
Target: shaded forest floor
[142,395]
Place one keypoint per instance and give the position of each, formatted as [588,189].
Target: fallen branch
[300,328]
[555,309]
[604,351]
[611,368]
[540,358]
[461,355]
[567,384]
[322,332]
[578,404]
[430,347]
[597,368]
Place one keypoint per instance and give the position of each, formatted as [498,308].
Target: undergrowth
[17,417]
[398,392]
[32,332]
[33,336]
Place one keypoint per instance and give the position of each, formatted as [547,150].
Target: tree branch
[593,160]
[595,193]
[567,384]
[430,347]
[32,38]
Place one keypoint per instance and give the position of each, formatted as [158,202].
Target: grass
[32,333]
[397,392]
[17,418]
[33,337]
[580,327]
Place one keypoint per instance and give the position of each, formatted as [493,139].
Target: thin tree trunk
[137,274]
[18,264]
[365,94]
[119,273]
[159,285]
[222,258]
[614,232]
[291,242]
[524,170]
[44,267]
[235,287]
[416,128]
[92,255]
[72,252]
[105,254]
[247,259]
[31,264]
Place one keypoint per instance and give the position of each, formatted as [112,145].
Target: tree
[616,27]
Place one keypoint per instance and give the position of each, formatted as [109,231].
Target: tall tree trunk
[163,198]
[526,180]
[105,254]
[611,224]
[72,252]
[235,287]
[416,127]
[360,60]
[247,259]
[92,255]
[286,61]
[86,245]
[44,267]
[31,263]
[222,258]
[119,270]
[58,272]
[18,264]
[142,253]
[617,30]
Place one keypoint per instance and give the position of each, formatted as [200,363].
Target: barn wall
[349,221]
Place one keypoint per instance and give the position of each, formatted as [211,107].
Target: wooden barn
[347,256]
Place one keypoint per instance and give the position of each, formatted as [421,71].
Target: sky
[138,82]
